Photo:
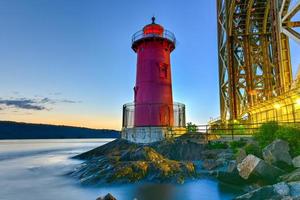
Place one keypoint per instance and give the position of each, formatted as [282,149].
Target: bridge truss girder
[254,53]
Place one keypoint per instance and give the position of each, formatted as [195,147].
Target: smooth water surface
[36,170]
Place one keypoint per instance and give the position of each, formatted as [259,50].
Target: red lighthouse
[153,89]
[153,116]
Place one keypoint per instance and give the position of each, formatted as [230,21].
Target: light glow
[277,106]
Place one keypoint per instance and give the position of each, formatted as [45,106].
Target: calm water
[34,170]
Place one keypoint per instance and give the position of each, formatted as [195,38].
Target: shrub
[271,131]
[191,127]
[254,149]
[234,145]
[266,133]
[238,129]
[292,136]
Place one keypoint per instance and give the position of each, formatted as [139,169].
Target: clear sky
[70,61]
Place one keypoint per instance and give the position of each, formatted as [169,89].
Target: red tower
[153,89]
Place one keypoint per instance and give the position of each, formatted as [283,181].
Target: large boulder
[230,175]
[296,162]
[253,167]
[240,155]
[277,153]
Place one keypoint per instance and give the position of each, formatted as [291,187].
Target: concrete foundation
[145,135]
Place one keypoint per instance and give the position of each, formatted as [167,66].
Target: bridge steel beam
[254,54]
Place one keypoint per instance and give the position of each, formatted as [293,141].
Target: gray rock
[295,189]
[210,164]
[230,178]
[293,176]
[211,154]
[254,167]
[240,155]
[282,189]
[260,193]
[226,154]
[107,197]
[277,153]
[230,175]
[232,166]
[296,162]
[279,191]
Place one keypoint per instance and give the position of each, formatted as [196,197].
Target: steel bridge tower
[255,72]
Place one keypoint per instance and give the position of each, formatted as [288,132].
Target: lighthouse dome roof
[153,28]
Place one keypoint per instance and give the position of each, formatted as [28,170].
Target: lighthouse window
[164,71]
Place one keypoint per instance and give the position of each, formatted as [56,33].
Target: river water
[36,170]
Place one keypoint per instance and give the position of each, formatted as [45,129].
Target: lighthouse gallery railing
[166,34]
[129,108]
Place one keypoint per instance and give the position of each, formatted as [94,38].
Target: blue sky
[75,57]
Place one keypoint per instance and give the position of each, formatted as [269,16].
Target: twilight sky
[70,62]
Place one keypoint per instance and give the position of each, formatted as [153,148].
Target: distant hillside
[17,130]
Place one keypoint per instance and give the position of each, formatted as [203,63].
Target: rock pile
[186,157]
[122,162]
[279,191]
[275,166]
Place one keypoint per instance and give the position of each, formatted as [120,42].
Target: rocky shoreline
[269,174]
[123,162]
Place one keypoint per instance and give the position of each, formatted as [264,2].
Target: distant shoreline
[108,139]
[10,130]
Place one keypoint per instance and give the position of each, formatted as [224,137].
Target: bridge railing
[231,131]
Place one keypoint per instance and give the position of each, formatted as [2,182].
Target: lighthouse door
[164,115]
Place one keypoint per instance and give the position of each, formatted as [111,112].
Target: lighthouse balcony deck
[140,35]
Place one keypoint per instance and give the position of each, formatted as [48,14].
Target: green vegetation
[266,133]
[292,136]
[271,131]
[238,129]
[235,145]
[254,149]
[234,128]
[191,127]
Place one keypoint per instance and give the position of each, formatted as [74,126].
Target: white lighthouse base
[145,135]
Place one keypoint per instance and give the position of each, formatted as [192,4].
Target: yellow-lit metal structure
[255,72]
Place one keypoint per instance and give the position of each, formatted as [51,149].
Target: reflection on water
[146,192]
[35,170]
